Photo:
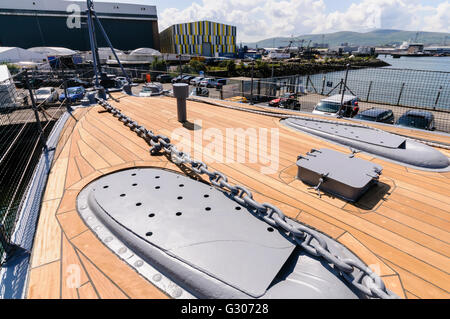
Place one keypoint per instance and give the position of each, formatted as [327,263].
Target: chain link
[354,272]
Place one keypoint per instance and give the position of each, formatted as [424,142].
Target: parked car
[164,78]
[196,81]
[208,82]
[221,83]
[73,94]
[238,99]
[46,95]
[331,106]
[177,79]
[186,79]
[417,119]
[75,82]
[151,89]
[376,115]
[278,102]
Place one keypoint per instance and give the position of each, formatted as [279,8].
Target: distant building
[414,48]
[8,92]
[203,38]
[14,55]
[62,23]
[437,49]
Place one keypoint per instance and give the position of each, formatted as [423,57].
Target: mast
[91,15]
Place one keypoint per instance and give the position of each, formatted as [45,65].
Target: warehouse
[203,38]
[62,23]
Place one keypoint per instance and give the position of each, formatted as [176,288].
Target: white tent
[146,51]
[7,88]
[13,55]
[53,51]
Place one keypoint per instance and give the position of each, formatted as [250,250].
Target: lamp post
[251,89]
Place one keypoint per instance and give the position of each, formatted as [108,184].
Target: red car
[285,100]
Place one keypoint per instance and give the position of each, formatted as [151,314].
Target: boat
[397,227]
[151,89]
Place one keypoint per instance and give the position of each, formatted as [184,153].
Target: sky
[262,19]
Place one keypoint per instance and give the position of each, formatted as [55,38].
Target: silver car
[46,95]
[196,81]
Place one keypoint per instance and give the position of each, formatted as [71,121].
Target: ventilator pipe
[181,92]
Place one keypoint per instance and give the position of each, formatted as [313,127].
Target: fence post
[343,91]
[323,84]
[340,85]
[307,83]
[368,92]
[401,92]
[437,97]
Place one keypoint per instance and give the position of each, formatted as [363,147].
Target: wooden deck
[401,229]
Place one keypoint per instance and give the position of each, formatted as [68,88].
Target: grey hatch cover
[195,223]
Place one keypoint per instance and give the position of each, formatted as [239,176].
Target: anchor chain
[354,272]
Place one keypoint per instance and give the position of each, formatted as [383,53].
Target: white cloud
[258,20]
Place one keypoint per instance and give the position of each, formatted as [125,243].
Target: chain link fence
[398,90]
[29,108]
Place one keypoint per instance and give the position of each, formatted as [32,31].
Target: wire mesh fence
[424,94]
[29,108]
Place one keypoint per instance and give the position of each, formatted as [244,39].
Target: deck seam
[415,275]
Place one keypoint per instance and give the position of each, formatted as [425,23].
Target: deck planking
[401,231]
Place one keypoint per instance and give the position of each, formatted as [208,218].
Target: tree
[159,65]
[231,66]
[197,66]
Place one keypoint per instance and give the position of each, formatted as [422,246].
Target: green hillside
[373,38]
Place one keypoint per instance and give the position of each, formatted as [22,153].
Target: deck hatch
[342,175]
[192,222]
[374,141]
[361,134]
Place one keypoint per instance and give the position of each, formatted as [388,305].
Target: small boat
[151,89]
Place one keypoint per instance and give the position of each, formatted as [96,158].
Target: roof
[338,97]
[421,113]
[53,51]
[373,112]
[145,51]
[15,54]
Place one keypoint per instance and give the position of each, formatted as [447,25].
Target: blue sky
[260,19]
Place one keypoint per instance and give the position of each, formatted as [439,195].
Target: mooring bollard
[181,92]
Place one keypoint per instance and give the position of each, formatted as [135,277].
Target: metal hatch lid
[360,134]
[194,223]
[343,168]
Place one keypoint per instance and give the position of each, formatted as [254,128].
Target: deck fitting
[342,175]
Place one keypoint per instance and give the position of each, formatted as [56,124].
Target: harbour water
[418,63]
[415,81]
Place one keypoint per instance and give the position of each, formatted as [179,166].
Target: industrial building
[62,23]
[203,38]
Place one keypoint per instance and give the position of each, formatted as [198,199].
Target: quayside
[399,227]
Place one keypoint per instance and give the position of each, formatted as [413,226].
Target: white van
[331,105]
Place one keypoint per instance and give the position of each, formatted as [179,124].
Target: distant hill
[373,38]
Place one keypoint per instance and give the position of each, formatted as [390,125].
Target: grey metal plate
[194,223]
[360,134]
[409,153]
[351,171]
